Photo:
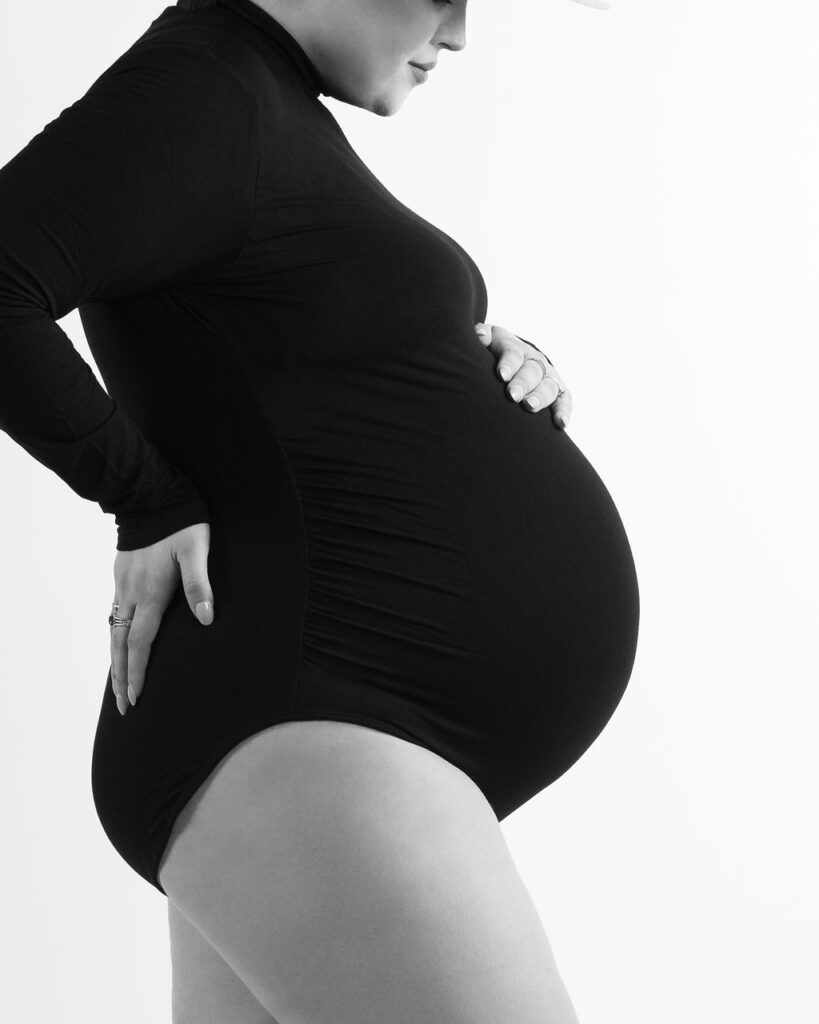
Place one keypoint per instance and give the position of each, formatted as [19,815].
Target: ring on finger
[560,391]
[114,619]
[533,400]
[516,388]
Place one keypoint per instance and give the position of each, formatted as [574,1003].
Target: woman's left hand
[527,382]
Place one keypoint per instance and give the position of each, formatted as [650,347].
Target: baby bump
[469,556]
[555,601]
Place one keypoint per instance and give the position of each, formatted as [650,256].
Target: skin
[362,50]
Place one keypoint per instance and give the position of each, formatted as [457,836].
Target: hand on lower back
[144,583]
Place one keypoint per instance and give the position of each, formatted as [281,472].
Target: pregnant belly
[466,556]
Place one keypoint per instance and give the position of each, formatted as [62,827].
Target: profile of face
[363,49]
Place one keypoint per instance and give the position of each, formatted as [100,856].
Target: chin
[385,108]
[388,103]
[384,102]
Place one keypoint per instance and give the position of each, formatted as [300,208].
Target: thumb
[193,568]
[484,332]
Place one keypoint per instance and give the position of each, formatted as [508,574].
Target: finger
[114,691]
[119,656]
[542,395]
[484,332]
[562,409]
[193,567]
[527,377]
[504,345]
[141,635]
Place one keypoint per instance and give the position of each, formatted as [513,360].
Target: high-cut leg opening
[212,762]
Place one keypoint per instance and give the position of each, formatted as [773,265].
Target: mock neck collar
[274,30]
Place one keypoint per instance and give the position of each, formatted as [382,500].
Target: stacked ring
[115,620]
[560,391]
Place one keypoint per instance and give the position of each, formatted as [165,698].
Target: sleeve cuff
[140,530]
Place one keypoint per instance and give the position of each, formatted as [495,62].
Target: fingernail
[121,705]
[505,372]
[131,695]
[203,610]
[515,393]
[561,422]
[533,401]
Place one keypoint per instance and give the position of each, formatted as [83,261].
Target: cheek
[376,53]
[396,31]
[387,70]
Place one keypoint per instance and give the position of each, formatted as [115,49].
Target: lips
[420,73]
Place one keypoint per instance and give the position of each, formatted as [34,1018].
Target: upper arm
[150,175]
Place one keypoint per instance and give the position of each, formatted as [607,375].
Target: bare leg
[350,877]
[205,990]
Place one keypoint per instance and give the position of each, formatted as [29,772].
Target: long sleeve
[149,176]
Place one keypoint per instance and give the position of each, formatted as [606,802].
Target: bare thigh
[205,989]
[351,877]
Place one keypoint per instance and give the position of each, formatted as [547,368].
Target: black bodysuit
[289,354]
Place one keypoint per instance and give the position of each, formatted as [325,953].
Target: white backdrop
[639,188]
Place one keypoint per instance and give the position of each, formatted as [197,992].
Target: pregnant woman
[368,599]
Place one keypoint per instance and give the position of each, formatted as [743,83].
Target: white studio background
[638,186]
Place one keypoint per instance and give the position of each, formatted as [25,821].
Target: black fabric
[289,354]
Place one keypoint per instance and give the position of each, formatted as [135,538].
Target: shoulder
[217,38]
[193,56]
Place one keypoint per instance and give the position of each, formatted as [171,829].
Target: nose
[452,32]
[455,45]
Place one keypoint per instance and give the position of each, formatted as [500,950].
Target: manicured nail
[533,401]
[131,695]
[203,610]
[515,393]
[505,372]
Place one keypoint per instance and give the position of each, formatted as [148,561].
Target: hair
[192,5]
